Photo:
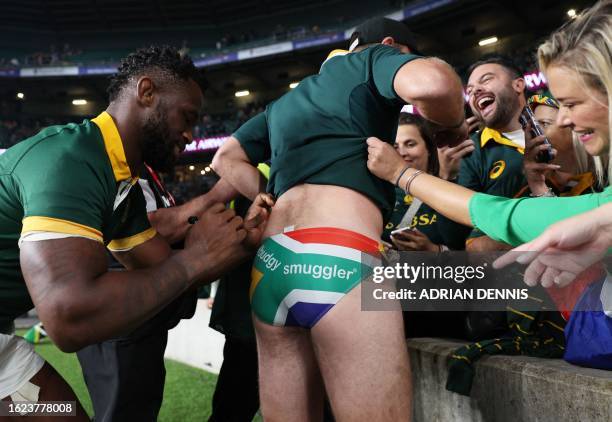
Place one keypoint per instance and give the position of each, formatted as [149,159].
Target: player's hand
[256,218]
[383,160]
[565,249]
[450,158]
[215,241]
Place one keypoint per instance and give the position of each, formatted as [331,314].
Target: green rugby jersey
[316,133]
[71,180]
[494,167]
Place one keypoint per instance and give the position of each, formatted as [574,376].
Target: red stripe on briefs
[335,236]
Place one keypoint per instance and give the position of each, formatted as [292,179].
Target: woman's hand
[384,161]
[413,240]
[565,249]
[536,172]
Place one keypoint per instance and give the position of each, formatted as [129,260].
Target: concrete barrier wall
[508,388]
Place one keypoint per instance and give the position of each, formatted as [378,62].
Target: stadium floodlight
[572,13]
[79,102]
[293,84]
[192,168]
[20,95]
[487,41]
[244,93]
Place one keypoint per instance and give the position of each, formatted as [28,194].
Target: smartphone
[403,229]
[527,116]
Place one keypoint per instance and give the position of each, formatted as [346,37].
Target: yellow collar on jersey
[113,146]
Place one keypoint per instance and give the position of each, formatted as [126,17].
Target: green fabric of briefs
[292,288]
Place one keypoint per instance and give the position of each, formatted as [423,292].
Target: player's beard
[507,105]
[158,147]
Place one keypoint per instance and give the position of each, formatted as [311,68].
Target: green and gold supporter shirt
[427,221]
[494,167]
[316,133]
[67,181]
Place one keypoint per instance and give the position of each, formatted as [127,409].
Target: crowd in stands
[227,122]
[13,131]
[54,56]
[280,33]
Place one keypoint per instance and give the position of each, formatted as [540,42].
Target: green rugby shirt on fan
[495,166]
[66,181]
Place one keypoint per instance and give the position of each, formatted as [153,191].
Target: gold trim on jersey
[114,146]
[487,134]
[56,225]
[335,53]
[127,243]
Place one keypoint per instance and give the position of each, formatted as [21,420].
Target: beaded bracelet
[548,194]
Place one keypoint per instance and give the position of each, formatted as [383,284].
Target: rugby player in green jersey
[69,192]
[312,336]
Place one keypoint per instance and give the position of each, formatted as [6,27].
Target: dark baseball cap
[374,30]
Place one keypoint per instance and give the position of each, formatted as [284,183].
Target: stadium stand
[213,33]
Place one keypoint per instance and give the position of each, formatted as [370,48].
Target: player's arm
[172,223]
[235,161]
[148,254]
[81,303]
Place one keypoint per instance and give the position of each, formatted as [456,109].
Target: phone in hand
[527,117]
[400,230]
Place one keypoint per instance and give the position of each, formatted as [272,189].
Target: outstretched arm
[448,198]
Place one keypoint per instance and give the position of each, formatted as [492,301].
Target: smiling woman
[577,63]
[415,145]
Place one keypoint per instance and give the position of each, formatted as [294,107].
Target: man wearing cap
[306,280]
